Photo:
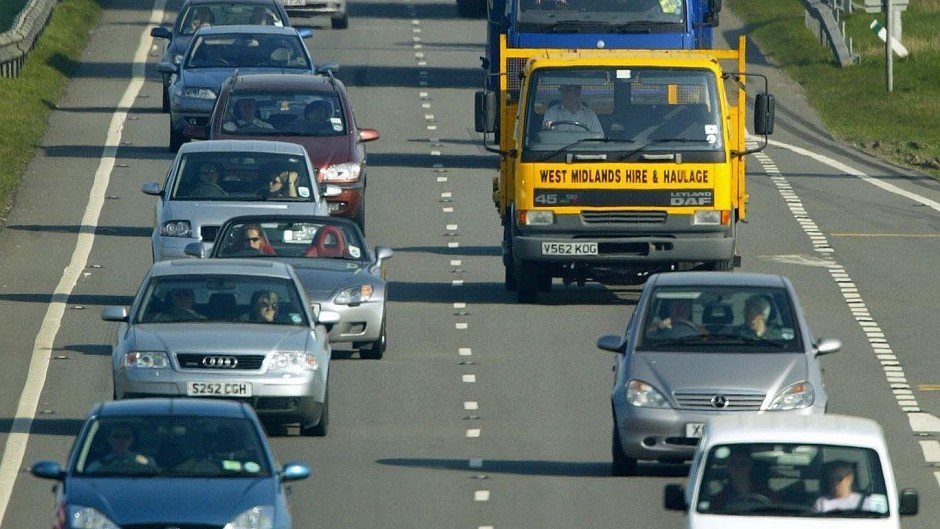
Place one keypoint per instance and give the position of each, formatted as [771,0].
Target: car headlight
[341,172]
[176,228]
[794,397]
[294,361]
[643,395]
[353,295]
[146,359]
[87,518]
[260,517]
[198,93]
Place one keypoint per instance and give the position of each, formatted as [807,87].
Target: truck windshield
[623,111]
[610,13]
[811,480]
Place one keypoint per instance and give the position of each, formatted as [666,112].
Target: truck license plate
[694,429]
[218,389]
[569,248]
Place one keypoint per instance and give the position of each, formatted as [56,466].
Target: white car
[212,181]
[777,471]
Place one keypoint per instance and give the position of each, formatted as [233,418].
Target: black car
[196,13]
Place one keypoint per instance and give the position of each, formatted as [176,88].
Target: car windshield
[729,319]
[221,298]
[247,50]
[286,114]
[604,16]
[800,480]
[240,176]
[621,113]
[195,16]
[171,446]
[309,240]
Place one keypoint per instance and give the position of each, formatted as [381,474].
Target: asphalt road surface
[483,413]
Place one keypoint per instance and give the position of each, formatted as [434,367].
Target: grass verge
[899,126]
[26,101]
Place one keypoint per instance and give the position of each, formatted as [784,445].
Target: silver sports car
[701,344]
[233,329]
[339,272]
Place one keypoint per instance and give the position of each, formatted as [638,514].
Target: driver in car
[246,116]
[570,113]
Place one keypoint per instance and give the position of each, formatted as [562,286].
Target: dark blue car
[196,13]
[172,462]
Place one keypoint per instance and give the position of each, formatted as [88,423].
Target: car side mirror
[909,502]
[114,313]
[826,346]
[47,470]
[167,67]
[194,249]
[674,497]
[611,342]
[152,188]
[383,252]
[328,317]
[368,135]
[161,33]
[331,190]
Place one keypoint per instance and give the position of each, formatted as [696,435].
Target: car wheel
[376,349]
[341,22]
[319,429]
[166,97]
[176,139]
[623,465]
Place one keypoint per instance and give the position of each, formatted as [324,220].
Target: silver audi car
[339,272]
[701,344]
[212,181]
[233,329]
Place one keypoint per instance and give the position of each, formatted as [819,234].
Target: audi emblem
[220,362]
[720,401]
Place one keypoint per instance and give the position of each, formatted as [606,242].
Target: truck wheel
[509,279]
[622,465]
[544,279]
[527,282]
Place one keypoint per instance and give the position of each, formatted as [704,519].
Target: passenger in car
[317,117]
[756,326]
[264,307]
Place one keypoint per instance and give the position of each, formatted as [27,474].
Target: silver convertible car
[236,329]
[212,181]
[339,272]
[700,344]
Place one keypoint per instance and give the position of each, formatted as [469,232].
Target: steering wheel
[686,324]
[568,122]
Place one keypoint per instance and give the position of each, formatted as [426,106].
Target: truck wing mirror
[485,111]
[764,114]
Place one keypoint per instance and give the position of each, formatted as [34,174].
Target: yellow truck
[615,164]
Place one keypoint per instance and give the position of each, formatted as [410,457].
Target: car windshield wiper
[605,139]
[745,339]
[643,147]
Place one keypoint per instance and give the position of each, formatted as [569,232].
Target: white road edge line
[15,449]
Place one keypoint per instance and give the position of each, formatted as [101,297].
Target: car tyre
[340,22]
[376,349]
[622,465]
[176,139]
[320,428]
[166,97]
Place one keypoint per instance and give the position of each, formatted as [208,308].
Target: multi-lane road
[483,413]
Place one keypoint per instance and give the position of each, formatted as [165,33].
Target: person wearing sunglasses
[265,307]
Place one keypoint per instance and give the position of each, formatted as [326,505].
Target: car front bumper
[362,323]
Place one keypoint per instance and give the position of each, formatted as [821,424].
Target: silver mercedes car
[339,272]
[234,329]
[212,181]
[700,344]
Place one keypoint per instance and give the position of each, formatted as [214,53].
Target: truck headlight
[643,395]
[536,218]
[711,217]
[794,397]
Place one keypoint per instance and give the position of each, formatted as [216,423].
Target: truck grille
[706,400]
[623,217]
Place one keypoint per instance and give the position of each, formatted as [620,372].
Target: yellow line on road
[916,235]
[928,387]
